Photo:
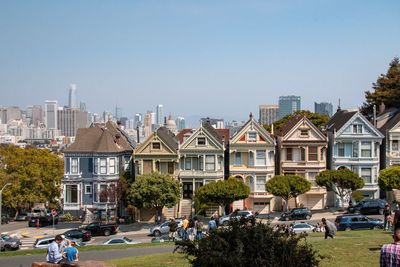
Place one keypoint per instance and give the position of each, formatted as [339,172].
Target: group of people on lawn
[191,228]
[62,251]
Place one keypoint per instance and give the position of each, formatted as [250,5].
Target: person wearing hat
[53,251]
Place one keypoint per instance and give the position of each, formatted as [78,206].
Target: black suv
[296,214]
[369,206]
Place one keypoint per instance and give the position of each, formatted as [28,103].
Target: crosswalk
[27,243]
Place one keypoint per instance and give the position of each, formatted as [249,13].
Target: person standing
[172,229]
[330,228]
[185,226]
[53,251]
[386,212]
[212,225]
[390,253]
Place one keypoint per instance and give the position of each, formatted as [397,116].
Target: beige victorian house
[252,160]
[158,153]
[302,151]
[201,157]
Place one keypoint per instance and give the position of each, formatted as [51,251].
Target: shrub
[249,244]
[68,217]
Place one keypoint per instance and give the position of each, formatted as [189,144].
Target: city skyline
[146,53]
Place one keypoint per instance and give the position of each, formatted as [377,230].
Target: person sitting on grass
[53,251]
[71,254]
[390,253]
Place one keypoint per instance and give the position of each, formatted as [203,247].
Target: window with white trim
[366,149]
[366,174]
[260,183]
[71,194]
[355,150]
[103,166]
[238,158]
[201,141]
[252,136]
[88,189]
[112,165]
[74,165]
[395,145]
[103,193]
[261,159]
[357,128]
[340,149]
[188,164]
[210,163]
[96,165]
[156,145]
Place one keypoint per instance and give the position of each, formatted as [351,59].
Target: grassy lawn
[82,249]
[350,249]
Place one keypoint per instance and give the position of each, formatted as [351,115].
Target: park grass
[350,249]
[82,249]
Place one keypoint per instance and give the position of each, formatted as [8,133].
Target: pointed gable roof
[296,122]
[339,119]
[254,125]
[162,134]
[288,125]
[390,123]
[207,129]
[99,139]
[184,132]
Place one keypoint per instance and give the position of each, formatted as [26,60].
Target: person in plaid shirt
[390,253]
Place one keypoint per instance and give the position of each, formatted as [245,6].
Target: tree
[222,192]
[35,175]
[154,190]
[342,182]
[386,90]
[287,187]
[246,243]
[316,118]
[389,178]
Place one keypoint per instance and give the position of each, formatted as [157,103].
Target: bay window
[71,194]
[210,163]
[261,159]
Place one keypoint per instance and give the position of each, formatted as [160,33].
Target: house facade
[92,166]
[158,153]
[302,151]
[252,160]
[390,150]
[201,160]
[354,143]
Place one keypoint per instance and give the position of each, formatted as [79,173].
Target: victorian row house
[354,143]
[302,151]
[92,167]
[252,160]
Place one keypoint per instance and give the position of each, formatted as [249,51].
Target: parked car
[44,242]
[9,243]
[296,214]
[78,234]
[165,238]
[119,241]
[353,222]
[42,221]
[302,227]
[369,206]
[23,216]
[101,229]
[163,229]
[236,215]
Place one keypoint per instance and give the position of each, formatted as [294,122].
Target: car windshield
[5,237]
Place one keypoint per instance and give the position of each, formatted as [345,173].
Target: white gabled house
[354,143]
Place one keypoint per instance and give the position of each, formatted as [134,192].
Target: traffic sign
[53,213]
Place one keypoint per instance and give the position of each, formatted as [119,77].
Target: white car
[237,215]
[120,240]
[44,242]
[302,228]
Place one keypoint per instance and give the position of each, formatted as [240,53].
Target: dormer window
[252,136]
[156,145]
[357,128]
[304,133]
[201,141]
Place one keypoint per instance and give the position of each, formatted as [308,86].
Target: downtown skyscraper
[288,105]
[72,97]
[159,115]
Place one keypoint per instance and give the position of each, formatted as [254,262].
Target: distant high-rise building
[37,115]
[323,108]
[3,115]
[72,99]
[118,112]
[124,121]
[50,110]
[70,119]
[160,115]
[138,120]
[82,106]
[147,123]
[268,114]
[180,123]
[107,116]
[288,105]
[13,113]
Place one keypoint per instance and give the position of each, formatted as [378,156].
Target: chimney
[118,139]
[137,134]
[374,109]
[251,115]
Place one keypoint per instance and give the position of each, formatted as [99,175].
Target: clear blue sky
[216,58]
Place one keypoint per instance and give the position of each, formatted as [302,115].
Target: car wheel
[157,233]
[347,229]
[225,223]
[107,232]
[7,248]
[308,217]
[376,227]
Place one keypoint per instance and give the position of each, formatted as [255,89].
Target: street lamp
[1,199]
